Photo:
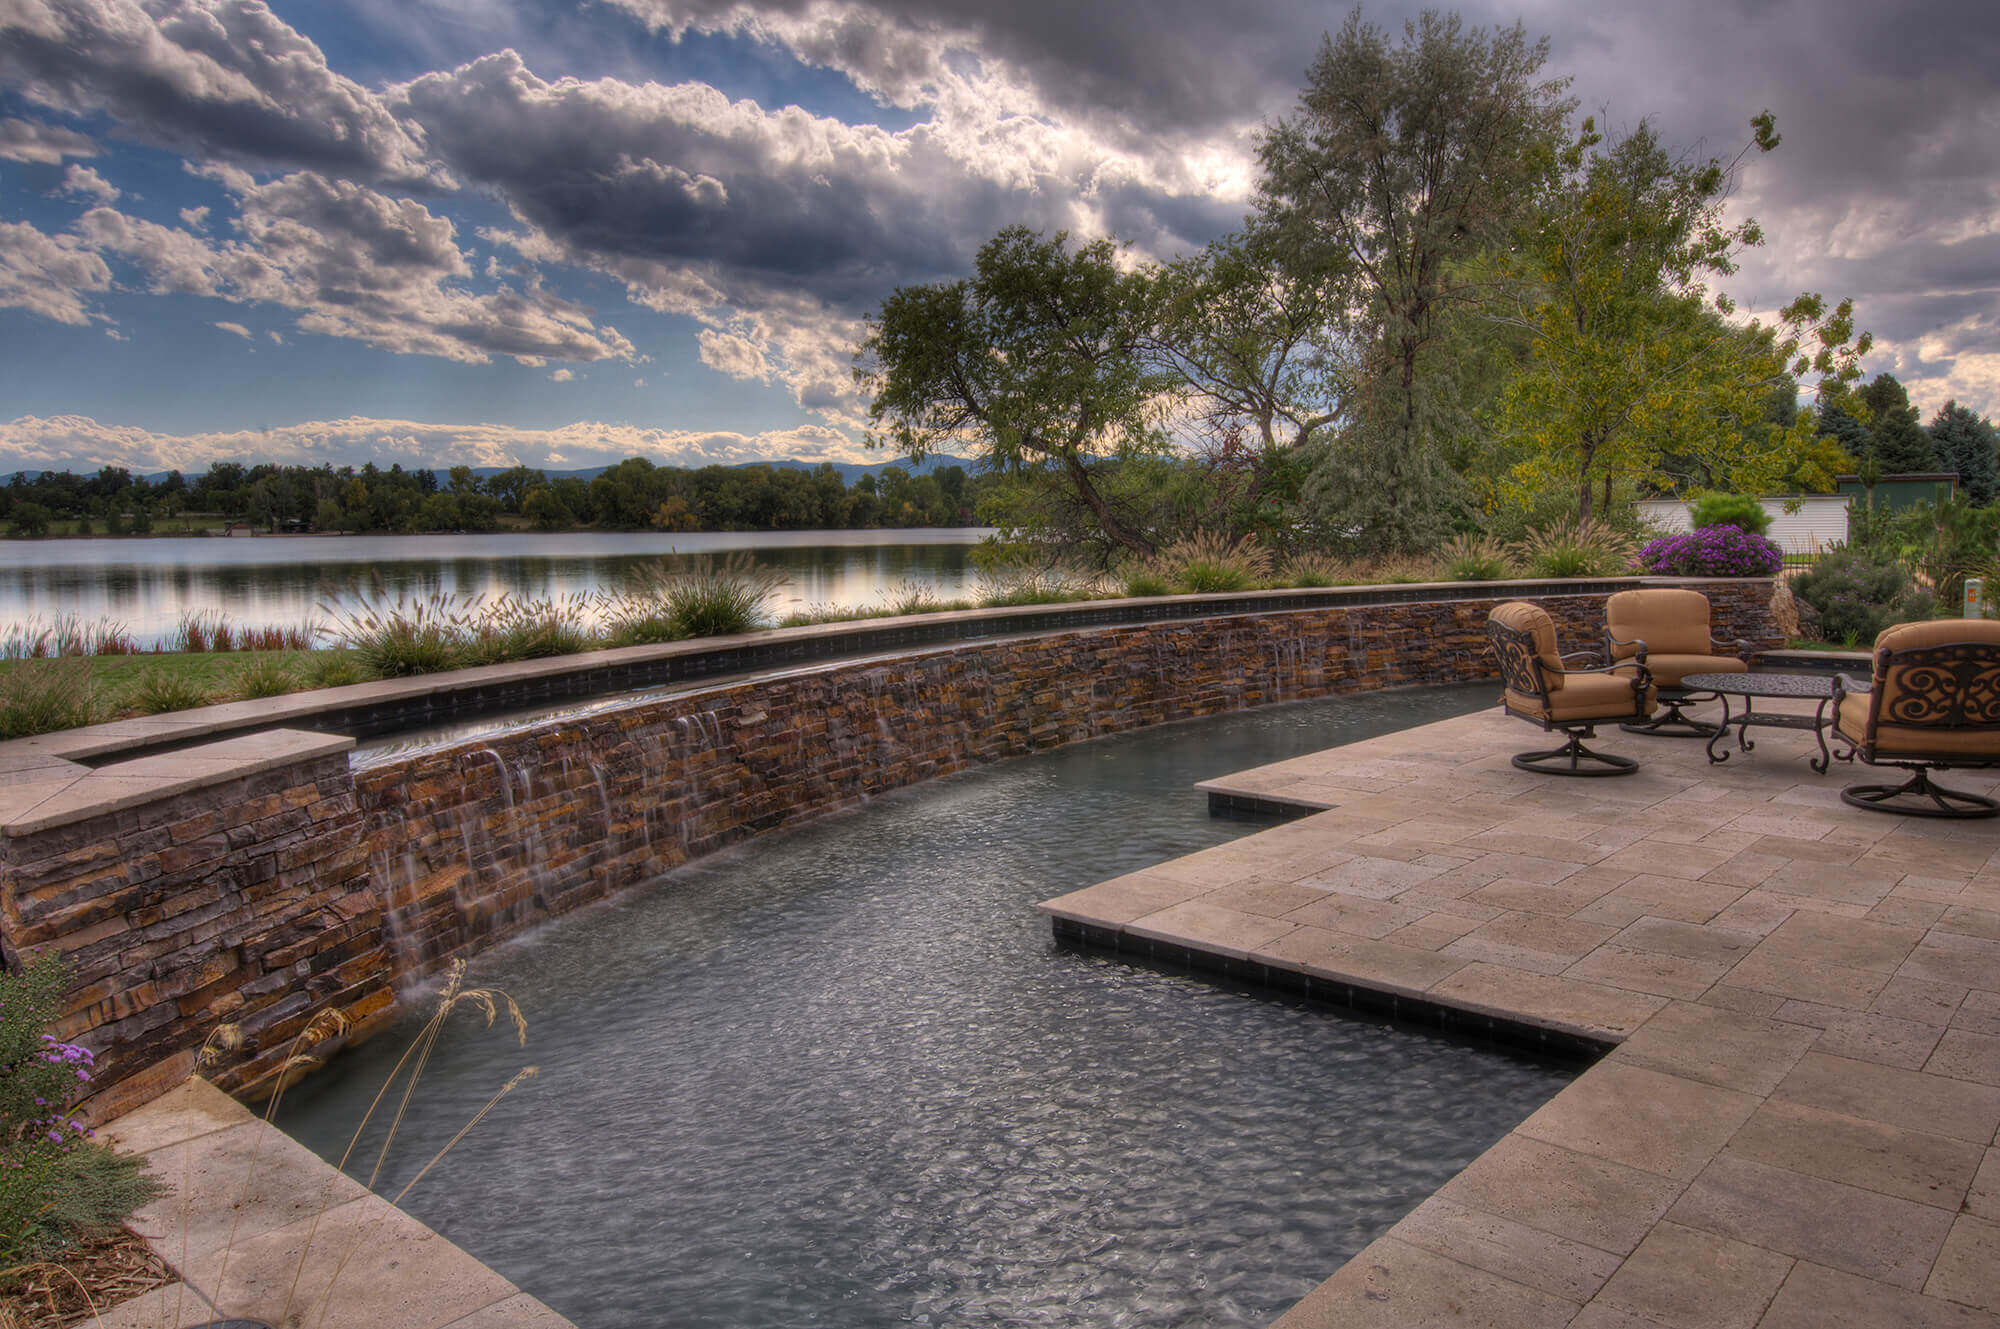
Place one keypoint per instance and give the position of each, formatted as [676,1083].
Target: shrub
[40,696]
[1574,549]
[1855,596]
[56,1184]
[1143,579]
[162,688]
[1474,558]
[1738,510]
[1713,551]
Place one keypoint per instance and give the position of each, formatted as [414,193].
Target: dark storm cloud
[218,79]
[682,176]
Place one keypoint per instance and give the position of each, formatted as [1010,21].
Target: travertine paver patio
[257,1225]
[1797,1126]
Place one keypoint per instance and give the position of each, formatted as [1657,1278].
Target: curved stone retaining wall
[264,896]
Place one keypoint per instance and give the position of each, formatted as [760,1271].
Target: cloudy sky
[562,232]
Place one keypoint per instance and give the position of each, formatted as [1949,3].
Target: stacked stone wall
[265,901]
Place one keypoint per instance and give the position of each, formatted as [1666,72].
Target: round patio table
[1751,686]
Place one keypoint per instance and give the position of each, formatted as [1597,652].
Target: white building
[1821,519]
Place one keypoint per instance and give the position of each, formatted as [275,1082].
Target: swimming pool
[844,1076]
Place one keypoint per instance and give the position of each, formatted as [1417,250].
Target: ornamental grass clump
[1204,564]
[57,1185]
[421,635]
[42,696]
[1574,549]
[1474,558]
[706,598]
[1712,551]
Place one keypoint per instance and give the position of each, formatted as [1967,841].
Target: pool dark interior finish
[844,1076]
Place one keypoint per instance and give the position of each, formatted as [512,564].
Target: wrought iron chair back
[1520,661]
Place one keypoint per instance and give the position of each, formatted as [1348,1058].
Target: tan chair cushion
[1585,697]
[1524,617]
[1669,670]
[1670,622]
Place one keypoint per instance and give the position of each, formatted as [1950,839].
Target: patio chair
[1933,703]
[1541,689]
[1667,631]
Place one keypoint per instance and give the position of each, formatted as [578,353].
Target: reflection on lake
[280,581]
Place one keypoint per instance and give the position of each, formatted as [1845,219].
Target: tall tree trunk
[1079,476]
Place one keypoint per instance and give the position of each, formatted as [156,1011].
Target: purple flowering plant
[56,1183]
[1712,551]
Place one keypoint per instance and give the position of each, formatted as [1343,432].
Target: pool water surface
[842,1075]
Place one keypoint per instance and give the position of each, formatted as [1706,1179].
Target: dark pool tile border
[1358,997]
[1251,807]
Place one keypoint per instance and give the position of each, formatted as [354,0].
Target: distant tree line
[634,495]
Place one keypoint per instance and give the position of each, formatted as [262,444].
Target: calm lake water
[281,581]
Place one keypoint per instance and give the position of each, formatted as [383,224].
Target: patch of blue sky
[379,42]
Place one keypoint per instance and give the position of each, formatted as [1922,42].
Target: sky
[497,232]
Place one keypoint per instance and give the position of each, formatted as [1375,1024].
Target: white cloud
[236,328]
[48,275]
[83,182]
[46,145]
[355,263]
[217,79]
[275,338]
[77,442]
[195,219]
[562,376]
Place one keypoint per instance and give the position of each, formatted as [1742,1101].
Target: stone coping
[40,792]
[255,1222]
[1800,1119]
[385,705]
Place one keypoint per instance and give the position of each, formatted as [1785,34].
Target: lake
[148,585]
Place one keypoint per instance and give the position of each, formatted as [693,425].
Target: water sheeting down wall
[190,911]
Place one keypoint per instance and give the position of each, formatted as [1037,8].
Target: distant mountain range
[849,471]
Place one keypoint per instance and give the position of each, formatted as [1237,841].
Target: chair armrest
[1640,642]
[1845,683]
[1741,648]
[1611,668]
[1586,654]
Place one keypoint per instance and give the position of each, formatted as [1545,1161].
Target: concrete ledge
[257,1223]
[58,792]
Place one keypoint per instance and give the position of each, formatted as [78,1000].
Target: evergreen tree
[1901,445]
[1968,444]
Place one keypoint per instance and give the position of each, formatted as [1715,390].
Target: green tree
[30,519]
[1405,162]
[1630,362]
[1036,360]
[1967,443]
[1901,447]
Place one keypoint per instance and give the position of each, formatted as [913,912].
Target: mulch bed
[112,1268]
